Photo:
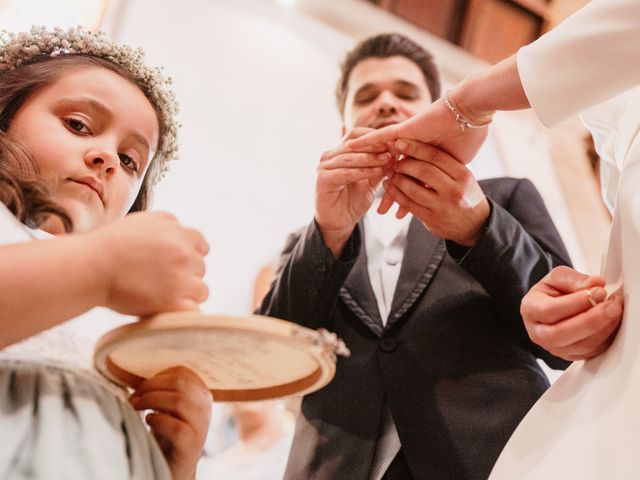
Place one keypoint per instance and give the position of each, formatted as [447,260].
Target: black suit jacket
[454,361]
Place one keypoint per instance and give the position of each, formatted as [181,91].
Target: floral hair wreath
[18,49]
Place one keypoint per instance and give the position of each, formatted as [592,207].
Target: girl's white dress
[59,419]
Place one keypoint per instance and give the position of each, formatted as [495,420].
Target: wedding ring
[590,298]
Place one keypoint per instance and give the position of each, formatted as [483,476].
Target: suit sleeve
[309,278]
[519,247]
[588,58]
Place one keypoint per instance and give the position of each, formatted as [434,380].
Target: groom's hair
[384,46]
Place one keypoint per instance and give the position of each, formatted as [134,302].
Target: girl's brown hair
[20,189]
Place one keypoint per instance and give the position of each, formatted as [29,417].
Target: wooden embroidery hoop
[238,358]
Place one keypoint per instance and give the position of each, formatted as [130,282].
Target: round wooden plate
[238,358]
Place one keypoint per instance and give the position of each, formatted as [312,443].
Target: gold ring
[591,300]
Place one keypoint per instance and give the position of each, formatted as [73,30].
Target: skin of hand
[560,318]
[476,98]
[439,190]
[345,188]
[149,263]
[435,124]
[181,407]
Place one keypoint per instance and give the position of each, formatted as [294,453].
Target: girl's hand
[149,263]
[180,419]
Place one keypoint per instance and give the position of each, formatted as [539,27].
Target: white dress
[589,58]
[59,419]
[587,425]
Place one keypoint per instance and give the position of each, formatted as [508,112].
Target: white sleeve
[590,57]
[11,230]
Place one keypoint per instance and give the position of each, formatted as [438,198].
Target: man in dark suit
[441,368]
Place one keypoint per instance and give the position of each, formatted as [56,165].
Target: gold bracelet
[463,122]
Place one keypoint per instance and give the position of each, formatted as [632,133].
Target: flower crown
[21,48]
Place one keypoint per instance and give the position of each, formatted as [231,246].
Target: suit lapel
[422,256]
[358,295]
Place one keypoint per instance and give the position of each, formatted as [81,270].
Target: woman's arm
[475,99]
[482,93]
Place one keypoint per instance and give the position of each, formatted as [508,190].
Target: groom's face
[384,91]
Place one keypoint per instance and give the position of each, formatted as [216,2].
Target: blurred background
[255,80]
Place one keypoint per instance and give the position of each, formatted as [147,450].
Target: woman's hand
[436,125]
[567,313]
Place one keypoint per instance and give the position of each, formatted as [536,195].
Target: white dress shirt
[385,238]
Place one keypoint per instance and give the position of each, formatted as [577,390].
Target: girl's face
[92,134]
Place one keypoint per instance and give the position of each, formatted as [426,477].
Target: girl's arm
[143,264]
[44,283]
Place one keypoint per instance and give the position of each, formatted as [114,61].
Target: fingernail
[612,310]
[599,294]
[401,145]
[386,156]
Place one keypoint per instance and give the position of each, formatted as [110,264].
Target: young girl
[86,129]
